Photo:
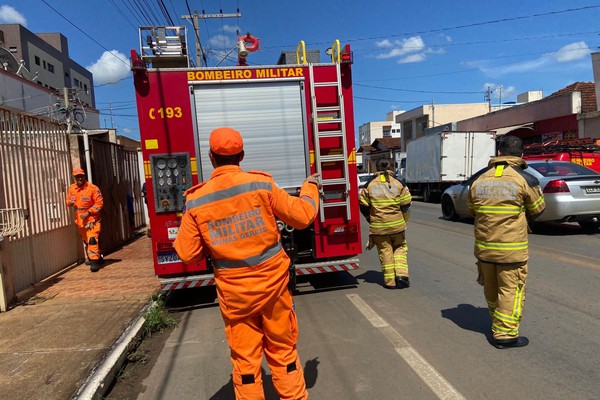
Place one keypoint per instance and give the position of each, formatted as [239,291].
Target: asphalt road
[430,341]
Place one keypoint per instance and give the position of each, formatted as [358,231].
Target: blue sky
[406,54]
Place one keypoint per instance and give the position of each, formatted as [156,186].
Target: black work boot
[520,341]
[94,266]
[402,282]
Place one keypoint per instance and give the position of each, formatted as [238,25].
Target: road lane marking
[436,382]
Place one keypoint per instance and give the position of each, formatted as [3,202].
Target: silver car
[571,192]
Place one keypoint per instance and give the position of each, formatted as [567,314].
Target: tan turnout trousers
[392,255]
[504,290]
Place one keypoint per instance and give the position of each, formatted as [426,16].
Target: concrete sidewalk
[60,341]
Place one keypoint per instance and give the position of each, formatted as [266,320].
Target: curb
[100,379]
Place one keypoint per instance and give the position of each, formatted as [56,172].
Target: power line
[414,91]
[82,31]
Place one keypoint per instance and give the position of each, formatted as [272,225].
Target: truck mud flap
[187,282]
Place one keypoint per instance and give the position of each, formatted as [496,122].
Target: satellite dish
[9,63]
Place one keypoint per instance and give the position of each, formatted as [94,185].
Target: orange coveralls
[87,198]
[231,217]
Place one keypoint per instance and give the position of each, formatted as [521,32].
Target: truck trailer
[437,161]
[296,119]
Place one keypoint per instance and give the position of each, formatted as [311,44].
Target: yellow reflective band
[406,197]
[499,170]
[386,202]
[518,301]
[501,246]
[507,331]
[507,318]
[382,178]
[536,203]
[387,224]
[498,209]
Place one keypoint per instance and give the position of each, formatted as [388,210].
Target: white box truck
[438,161]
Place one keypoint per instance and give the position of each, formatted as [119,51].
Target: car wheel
[448,211]
[589,225]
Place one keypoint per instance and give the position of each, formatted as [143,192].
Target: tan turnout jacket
[501,199]
[385,198]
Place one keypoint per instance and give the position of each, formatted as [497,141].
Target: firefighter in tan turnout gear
[384,201]
[502,199]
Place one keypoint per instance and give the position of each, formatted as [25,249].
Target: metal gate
[35,171]
[115,171]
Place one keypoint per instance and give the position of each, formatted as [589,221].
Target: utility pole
[67,109]
[432,113]
[195,18]
[488,98]
[111,116]
[499,89]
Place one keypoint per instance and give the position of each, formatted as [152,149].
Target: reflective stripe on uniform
[250,261]
[508,246]
[389,224]
[498,209]
[504,330]
[311,201]
[386,202]
[227,193]
[518,301]
[507,318]
[536,203]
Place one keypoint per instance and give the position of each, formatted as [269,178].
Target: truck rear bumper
[195,281]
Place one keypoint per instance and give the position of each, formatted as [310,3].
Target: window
[76,82]
[50,67]
[66,74]
[37,60]
[85,87]
[44,62]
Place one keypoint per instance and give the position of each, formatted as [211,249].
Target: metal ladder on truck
[339,119]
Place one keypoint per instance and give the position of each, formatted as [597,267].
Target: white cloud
[401,47]
[571,52]
[230,28]
[110,68]
[9,15]
[223,41]
[413,58]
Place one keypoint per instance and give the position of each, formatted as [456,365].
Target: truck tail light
[346,56]
[556,186]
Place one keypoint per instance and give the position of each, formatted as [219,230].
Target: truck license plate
[592,189]
[168,258]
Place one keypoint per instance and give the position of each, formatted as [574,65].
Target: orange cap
[226,141]
[78,171]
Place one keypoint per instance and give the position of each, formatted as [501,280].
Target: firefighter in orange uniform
[502,199]
[87,200]
[385,202]
[232,218]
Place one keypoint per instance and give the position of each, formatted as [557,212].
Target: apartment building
[46,57]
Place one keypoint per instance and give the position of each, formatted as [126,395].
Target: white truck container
[438,161]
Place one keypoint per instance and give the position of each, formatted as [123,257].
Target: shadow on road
[467,316]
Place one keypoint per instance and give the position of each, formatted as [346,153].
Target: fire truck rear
[296,119]
[584,151]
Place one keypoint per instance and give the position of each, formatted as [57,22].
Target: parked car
[363,178]
[571,192]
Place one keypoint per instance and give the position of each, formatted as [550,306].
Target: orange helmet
[78,171]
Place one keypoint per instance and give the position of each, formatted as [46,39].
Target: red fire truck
[584,151]
[296,119]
